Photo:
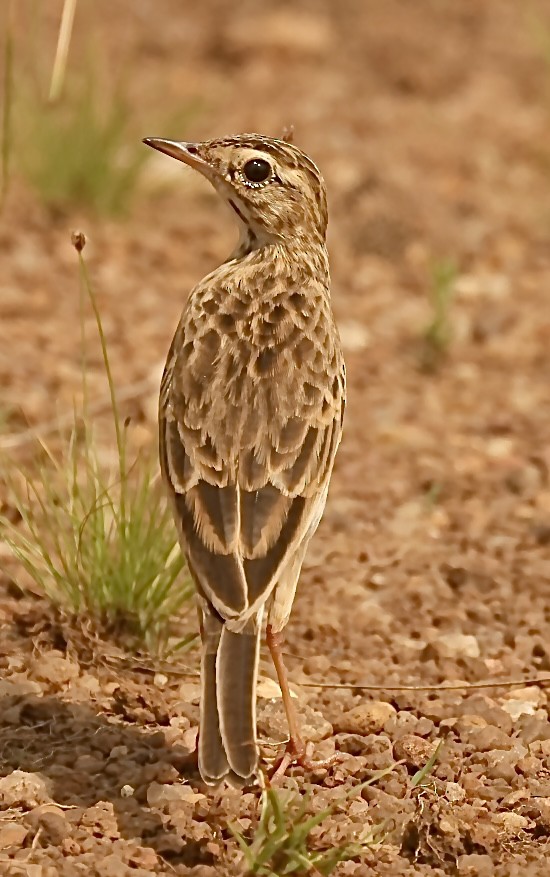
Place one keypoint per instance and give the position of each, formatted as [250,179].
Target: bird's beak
[186,152]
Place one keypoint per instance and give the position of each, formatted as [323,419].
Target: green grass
[100,541]
[438,333]
[282,842]
[79,147]
[420,777]
[81,150]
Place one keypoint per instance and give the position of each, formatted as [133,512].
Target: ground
[431,124]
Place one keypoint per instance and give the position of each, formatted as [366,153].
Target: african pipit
[251,409]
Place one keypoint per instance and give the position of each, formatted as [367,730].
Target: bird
[251,411]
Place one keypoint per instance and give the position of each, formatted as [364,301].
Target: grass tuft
[79,151]
[282,843]
[100,540]
[438,333]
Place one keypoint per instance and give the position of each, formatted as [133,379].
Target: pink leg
[296,749]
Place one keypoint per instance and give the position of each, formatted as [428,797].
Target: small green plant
[101,543]
[438,333]
[420,777]
[80,150]
[282,843]
[79,145]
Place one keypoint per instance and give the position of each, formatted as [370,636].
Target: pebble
[533,728]
[365,718]
[12,835]
[414,750]
[351,744]
[52,822]
[143,857]
[101,818]
[517,708]
[488,738]
[317,664]
[54,667]
[158,794]
[475,865]
[21,789]
[456,645]
[511,823]
[454,792]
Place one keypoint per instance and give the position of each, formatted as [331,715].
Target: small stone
[489,738]
[454,792]
[457,645]
[475,865]
[158,795]
[529,765]
[543,805]
[21,789]
[532,728]
[267,689]
[317,664]
[12,835]
[143,857]
[111,866]
[53,667]
[127,791]
[51,821]
[189,692]
[414,750]
[511,823]
[189,739]
[517,708]
[273,725]
[101,818]
[351,744]
[170,844]
[118,752]
[89,764]
[365,718]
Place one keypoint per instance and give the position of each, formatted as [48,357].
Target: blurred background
[429,120]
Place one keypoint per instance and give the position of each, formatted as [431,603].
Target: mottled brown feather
[251,408]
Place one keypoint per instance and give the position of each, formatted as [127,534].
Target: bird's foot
[298,752]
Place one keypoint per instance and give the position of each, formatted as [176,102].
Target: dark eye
[257,170]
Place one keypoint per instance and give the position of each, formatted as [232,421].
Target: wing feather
[246,487]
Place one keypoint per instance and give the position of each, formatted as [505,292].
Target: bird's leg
[296,749]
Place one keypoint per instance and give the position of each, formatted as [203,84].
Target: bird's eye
[257,170]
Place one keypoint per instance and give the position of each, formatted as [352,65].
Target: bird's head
[275,189]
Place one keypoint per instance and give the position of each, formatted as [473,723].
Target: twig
[170,670]
[459,686]
[62,51]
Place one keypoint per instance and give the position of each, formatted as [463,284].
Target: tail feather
[227,734]
[213,764]
[236,675]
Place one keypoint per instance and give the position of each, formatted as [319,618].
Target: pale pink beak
[186,152]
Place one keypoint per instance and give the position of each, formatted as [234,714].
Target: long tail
[227,734]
